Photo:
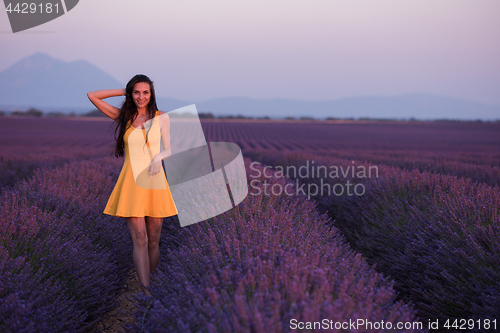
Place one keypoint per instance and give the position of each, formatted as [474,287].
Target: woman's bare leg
[139,234]
[153,226]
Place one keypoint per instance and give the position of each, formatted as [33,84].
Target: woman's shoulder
[164,118]
[163,113]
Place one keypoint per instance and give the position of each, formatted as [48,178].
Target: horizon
[318,51]
[208,116]
[415,93]
[403,107]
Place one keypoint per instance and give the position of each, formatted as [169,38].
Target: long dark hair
[128,111]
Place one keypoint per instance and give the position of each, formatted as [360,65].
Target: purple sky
[310,50]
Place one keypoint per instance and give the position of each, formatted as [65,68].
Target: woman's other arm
[155,165]
[96,97]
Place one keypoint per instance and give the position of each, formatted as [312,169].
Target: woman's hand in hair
[96,97]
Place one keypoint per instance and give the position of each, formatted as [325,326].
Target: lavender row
[480,166]
[436,235]
[27,144]
[458,138]
[264,266]
[19,164]
[463,149]
[62,262]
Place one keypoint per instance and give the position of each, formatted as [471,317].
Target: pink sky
[320,49]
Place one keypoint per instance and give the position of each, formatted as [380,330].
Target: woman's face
[141,94]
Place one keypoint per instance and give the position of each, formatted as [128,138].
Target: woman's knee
[153,243]
[153,226]
[138,231]
[140,238]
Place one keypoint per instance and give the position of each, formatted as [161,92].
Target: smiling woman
[141,94]
[143,206]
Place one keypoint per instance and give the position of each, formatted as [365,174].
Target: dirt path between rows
[114,320]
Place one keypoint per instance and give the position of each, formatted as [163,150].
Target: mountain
[44,82]
[419,106]
[50,84]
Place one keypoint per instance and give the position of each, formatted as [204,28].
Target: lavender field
[421,244]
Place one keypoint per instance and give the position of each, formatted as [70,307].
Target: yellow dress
[128,199]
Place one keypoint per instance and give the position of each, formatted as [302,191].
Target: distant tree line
[94,113]
[33,112]
[209,115]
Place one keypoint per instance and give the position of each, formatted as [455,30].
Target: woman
[143,206]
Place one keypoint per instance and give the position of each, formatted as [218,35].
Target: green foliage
[94,113]
[32,112]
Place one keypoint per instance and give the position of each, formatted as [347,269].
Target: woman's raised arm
[96,97]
